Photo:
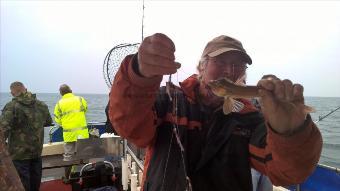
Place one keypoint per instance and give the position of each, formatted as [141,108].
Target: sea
[329,126]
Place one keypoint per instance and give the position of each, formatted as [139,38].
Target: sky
[47,43]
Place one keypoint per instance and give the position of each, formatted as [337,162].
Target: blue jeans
[30,173]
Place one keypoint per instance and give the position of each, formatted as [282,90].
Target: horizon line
[108,94]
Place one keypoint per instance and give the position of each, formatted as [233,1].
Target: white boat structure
[121,166]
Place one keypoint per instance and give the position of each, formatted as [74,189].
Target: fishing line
[166,162]
[111,65]
[143,22]
[115,56]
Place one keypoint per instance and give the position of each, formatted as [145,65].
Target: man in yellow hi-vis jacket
[69,113]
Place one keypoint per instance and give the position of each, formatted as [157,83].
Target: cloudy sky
[47,43]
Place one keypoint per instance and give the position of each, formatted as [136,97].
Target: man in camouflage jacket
[22,123]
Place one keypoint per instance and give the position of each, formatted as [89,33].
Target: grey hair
[201,65]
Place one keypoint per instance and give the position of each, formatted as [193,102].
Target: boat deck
[53,167]
[53,170]
[55,185]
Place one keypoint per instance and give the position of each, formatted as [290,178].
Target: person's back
[71,111]
[22,123]
[70,115]
[29,114]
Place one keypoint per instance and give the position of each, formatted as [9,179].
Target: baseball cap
[222,44]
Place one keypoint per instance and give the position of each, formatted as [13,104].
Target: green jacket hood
[26,98]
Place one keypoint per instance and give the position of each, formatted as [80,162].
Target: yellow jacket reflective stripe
[74,129]
[69,113]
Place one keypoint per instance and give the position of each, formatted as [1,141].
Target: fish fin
[237,106]
[228,105]
[308,109]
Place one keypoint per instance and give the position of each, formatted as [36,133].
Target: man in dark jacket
[22,123]
[190,142]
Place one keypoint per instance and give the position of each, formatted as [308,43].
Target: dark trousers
[30,173]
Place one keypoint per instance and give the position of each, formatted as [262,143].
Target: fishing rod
[298,187]
[323,117]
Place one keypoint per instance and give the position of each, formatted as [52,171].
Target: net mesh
[114,58]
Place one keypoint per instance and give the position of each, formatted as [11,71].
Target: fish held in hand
[226,88]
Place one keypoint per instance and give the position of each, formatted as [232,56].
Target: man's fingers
[282,90]
[157,49]
[288,85]
[298,93]
[279,90]
[156,56]
[267,101]
[158,70]
[266,84]
[147,50]
[160,38]
[158,62]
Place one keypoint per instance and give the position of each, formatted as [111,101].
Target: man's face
[229,65]
[16,91]
[13,93]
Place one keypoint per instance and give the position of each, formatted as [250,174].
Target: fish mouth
[211,93]
[209,89]
[216,87]
[218,83]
